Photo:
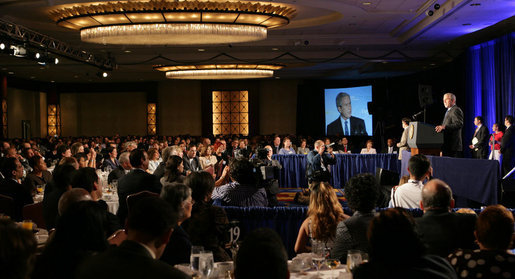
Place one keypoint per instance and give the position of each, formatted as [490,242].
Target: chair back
[7,206]
[34,212]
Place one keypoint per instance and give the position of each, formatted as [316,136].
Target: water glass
[195,257]
[353,259]
[206,264]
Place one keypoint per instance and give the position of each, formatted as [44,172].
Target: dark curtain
[490,82]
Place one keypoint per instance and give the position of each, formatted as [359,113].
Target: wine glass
[195,257]
[353,259]
[206,263]
[318,254]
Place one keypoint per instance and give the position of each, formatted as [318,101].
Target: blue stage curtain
[490,82]
[293,173]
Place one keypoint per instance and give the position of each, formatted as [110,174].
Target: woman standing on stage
[495,143]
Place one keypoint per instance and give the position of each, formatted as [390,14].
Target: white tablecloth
[112,201]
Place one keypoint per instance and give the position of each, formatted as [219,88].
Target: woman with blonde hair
[207,159]
[324,214]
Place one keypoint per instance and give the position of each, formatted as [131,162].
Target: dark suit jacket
[453,122]
[314,162]
[443,232]
[21,196]
[115,174]
[194,166]
[135,181]
[130,260]
[160,170]
[507,143]
[482,136]
[357,127]
[385,149]
[178,249]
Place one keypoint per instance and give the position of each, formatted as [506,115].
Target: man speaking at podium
[451,127]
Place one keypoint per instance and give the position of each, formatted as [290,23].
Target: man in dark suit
[136,181]
[441,230]
[11,186]
[346,124]
[150,225]
[318,162]
[479,144]
[123,169]
[190,161]
[451,127]
[390,147]
[507,143]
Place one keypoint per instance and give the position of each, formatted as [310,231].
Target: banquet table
[473,179]
[293,173]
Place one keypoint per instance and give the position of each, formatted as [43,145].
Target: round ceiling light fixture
[219,71]
[167,22]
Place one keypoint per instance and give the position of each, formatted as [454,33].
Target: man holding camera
[318,161]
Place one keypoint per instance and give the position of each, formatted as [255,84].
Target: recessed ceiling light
[274,48]
[366,3]
[475,4]
[432,64]
[32,77]
[127,51]
[76,76]
[201,49]
[466,24]
[52,81]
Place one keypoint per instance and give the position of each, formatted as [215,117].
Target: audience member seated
[397,252]
[287,148]
[494,233]
[178,250]
[123,169]
[261,255]
[17,250]
[324,214]
[361,193]
[39,176]
[137,180]
[154,159]
[302,149]
[408,195]
[174,170]
[390,147]
[54,190]
[72,196]
[165,154]
[244,189]
[149,226]
[369,149]
[318,161]
[110,161]
[207,159]
[191,161]
[69,161]
[80,233]
[208,225]
[11,186]
[82,159]
[440,230]
[87,179]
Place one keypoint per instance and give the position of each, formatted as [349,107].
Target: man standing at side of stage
[479,144]
[507,143]
[451,127]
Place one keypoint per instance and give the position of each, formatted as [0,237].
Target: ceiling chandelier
[167,22]
[219,71]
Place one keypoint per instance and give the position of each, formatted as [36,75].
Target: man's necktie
[347,128]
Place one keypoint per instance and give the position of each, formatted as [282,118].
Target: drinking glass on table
[206,264]
[318,251]
[195,257]
[353,259]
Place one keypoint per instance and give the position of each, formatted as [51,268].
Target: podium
[423,139]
